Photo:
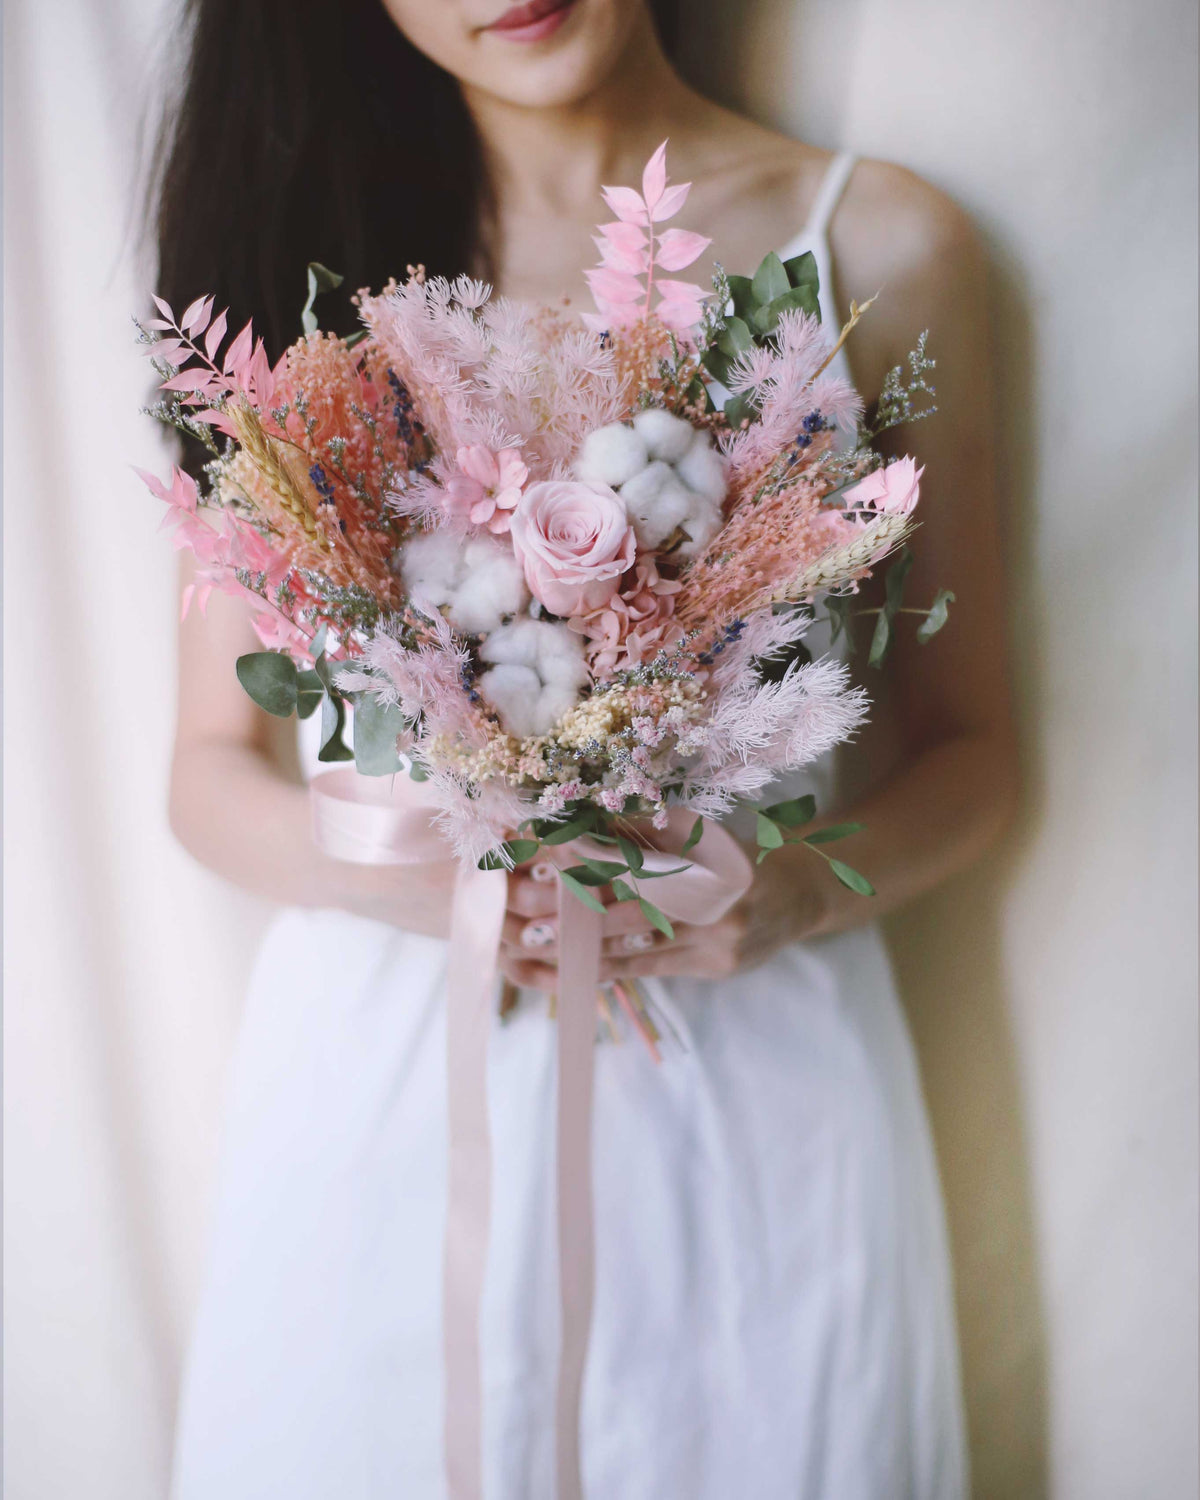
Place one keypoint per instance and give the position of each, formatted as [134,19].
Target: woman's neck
[553,161]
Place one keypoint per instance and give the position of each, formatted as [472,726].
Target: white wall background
[1053,993]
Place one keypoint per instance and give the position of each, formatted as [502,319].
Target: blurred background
[1052,992]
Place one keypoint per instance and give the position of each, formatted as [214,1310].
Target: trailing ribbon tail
[477,919]
[579,937]
[366,820]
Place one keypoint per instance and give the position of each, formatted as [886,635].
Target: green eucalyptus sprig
[777,825]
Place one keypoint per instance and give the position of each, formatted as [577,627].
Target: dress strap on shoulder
[829,195]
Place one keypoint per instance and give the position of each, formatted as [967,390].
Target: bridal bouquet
[561,567]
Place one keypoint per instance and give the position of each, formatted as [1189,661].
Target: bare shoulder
[894,227]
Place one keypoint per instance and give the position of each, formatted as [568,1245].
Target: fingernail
[537,934]
[542,872]
[637,942]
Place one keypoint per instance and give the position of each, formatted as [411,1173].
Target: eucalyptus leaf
[584,876]
[770,280]
[896,576]
[655,917]
[563,833]
[320,279]
[270,679]
[793,814]
[333,722]
[937,616]
[623,891]
[522,850]
[880,640]
[833,832]
[739,409]
[308,693]
[741,292]
[376,728]
[693,838]
[608,869]
[735,338]
[580,892]
[837,607]
[768,833]
[851,879]
[802,271]
[632,854]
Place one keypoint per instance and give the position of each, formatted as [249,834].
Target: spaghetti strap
[829,194]
[820,215]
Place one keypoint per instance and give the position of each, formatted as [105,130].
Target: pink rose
[892,490]
[574,541]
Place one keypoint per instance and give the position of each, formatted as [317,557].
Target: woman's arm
[237,803]
[951,783]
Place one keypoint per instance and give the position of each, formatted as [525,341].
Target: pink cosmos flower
[893,490]
[574,541]
[487,487]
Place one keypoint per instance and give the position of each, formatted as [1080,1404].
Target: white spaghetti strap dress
[773,1311]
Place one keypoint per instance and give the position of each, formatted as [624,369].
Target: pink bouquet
[562,569]
[560,573]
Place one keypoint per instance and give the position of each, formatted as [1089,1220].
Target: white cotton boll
[431,566]
[560,657]
[666,436]
[701,469]
[538,675]
[480,582]
[670,507]
[491,586]
[701,526]
[640,492]
[515,643]
[513,691]
[611,455]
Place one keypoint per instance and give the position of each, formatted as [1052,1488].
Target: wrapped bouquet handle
[377,821]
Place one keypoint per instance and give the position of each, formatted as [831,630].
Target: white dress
[773,1313]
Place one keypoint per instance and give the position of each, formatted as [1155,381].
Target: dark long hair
[314,130]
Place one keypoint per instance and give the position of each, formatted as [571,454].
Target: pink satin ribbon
[368,820]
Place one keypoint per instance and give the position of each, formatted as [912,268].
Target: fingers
[527,974]
[530,894]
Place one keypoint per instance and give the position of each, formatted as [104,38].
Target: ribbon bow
[367,820]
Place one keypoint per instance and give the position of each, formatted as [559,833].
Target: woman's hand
[792,898]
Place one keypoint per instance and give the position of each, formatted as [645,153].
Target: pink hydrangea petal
[483,511]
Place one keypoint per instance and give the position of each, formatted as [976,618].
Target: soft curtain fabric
[1052,992]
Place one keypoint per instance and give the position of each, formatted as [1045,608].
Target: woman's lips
[532,22]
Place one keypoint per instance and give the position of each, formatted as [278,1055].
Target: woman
[773,1308]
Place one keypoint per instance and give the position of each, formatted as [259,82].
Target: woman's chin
[566,59]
